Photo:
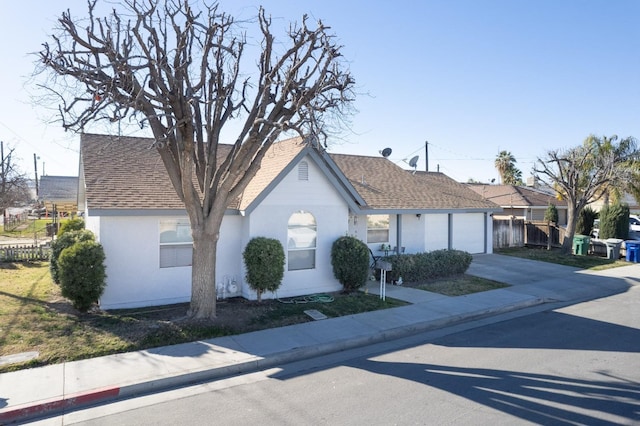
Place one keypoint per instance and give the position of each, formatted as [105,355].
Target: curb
[59,405]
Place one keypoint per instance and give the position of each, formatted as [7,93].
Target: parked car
[634,223]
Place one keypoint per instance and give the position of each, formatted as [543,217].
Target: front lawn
[34,317]
[459,285]
[556,256]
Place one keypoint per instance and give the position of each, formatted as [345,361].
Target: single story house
[627,198]
[520,202]
[302,196]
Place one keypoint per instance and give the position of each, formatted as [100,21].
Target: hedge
[428,266]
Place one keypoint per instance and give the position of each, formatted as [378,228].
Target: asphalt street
[572,365]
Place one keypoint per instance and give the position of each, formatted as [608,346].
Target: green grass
[34,317]
[29,229]
[460,285]
[556,256]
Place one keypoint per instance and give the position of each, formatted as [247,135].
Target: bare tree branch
[179,71]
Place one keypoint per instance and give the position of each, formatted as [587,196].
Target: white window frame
[378,228]
[301,246]
[176,250]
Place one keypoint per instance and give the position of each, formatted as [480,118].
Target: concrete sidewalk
[55,389]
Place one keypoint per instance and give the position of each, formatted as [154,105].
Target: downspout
[450,226]
[486,231]
[398,233]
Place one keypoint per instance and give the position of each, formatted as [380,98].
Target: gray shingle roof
[58,188]
[127,173]
[516,196]
[384,185]
[123,173]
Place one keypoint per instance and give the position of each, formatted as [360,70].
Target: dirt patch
[233,316]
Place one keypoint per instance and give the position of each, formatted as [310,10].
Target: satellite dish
[414,161]
[386,152]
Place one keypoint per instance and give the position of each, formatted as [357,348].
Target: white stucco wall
[134,276]
[92,224]
[318,197]
[413,233]
[437,231]
[468,232]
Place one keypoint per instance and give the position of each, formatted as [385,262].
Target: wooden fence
[518,233]
[25,253]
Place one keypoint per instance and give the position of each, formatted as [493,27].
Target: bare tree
[581,174]
[14,188]
[180,72]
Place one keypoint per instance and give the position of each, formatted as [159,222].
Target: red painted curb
[23,411]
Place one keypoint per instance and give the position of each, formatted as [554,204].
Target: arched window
[301,237]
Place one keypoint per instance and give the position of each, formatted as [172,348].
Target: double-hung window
[176,244]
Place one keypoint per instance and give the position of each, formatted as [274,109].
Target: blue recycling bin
[632,247]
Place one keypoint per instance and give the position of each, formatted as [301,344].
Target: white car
[634,223]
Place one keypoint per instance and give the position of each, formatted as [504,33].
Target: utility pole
[35,167]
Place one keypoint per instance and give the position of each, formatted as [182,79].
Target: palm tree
[505,163]
[630,182]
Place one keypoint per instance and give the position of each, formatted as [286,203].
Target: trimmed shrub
[76,224]
[350,261]
[614,221]
[264,261]
[551,214]
[82,273]
[428,266]
[65,240]
[584,225]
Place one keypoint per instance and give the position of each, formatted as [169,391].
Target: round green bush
[65,240]
[82,273]
[350,261]
[76,224]
[264,261]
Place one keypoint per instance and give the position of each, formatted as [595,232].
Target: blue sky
[471,77]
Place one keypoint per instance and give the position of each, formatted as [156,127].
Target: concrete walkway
[54,389]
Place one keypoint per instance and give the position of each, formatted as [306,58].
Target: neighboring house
[59,194]
[627,199]
[302,196]
[521,202]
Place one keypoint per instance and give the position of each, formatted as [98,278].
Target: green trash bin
[580,245]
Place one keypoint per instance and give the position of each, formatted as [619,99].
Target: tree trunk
[572,218]
[548,235]
[203,276]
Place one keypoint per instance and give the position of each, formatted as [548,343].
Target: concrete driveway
[515,270]
[551,281]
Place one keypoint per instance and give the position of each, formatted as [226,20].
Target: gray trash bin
[613,248]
